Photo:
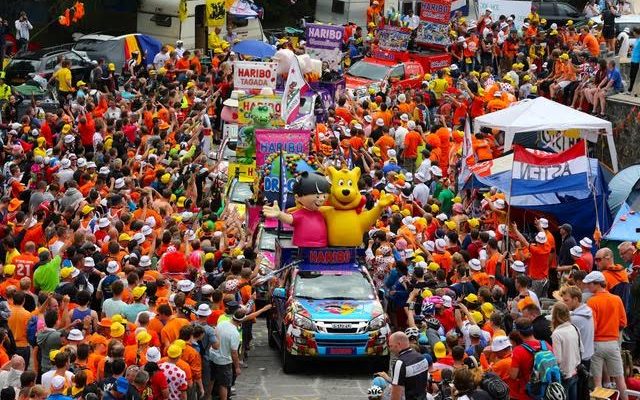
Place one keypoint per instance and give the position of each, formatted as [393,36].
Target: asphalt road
[264,379]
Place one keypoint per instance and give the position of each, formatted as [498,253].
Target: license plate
[341,326]
[341,351]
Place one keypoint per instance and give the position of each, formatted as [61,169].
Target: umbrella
[29,90]
[254,48]
[622,186]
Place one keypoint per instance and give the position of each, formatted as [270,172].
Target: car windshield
[24,65]
[89,45]
[268,241]
[241,191]
[337,285]
[367,70]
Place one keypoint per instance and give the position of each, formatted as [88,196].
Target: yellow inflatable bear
[347,221]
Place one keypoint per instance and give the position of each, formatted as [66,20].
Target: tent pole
[508,224]
[592,189]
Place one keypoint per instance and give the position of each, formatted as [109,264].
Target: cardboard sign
[432,33]
[437,11]
[245,104]
[250,75]
[242,170]
[269,141]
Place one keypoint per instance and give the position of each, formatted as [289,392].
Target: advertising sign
[437,11]
[394,38]
[251,75]
[320,36]
[433,34]
[269,141]
[245,104]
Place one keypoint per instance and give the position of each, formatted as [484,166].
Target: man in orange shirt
[500,358]
[609,319]
[411,142]
[385,143]
[614,274]
[171,330]
[192,357]
[539,261]
[18,321]
[589,42]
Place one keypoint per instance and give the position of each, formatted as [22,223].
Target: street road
[264,379]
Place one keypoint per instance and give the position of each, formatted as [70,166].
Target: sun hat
[594,277]
[117,330]
[203,310]
[586,242]
[541,237]
[75,335]
[153,354]
[576,251]
[112,267]
[475,264]
[500,343]
[518,266]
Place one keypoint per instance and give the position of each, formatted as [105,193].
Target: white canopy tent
[542,114]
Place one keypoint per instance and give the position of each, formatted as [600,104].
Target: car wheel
[288,361]
[270,335]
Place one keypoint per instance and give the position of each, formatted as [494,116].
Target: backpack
[32,330]
[496,387]
[545,370]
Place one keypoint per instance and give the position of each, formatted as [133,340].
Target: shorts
[608,33]
[607,354]
[563,84]
[223,375]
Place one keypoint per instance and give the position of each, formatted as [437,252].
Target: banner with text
[252,75]
[394,38]
[436,11]
[245,104]
[269,141]
[321,36]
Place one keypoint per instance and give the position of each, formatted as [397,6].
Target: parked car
[25,65]
[382,74]
[559,12]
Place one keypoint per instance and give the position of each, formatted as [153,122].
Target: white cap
[442,217]
[190,235]
[112,267]
[75,334]
[447,301]
[146,230]
[430,245]
[368,118]
[402,98]
[58,382]
[411,125]
[82,162]
[504,25]
[104,170]
[391,153]
[453,67]
[492,233]
[119,183]
[185,285]
[203,310]
[145,261]
[441,244]
[150,221]
[475,265]
[544,223]
[139,237]
[65,163]
[541,237]
[586,242]
[593,277]
[474,330]
[75,272]
[206,289]
[103,222]
[435,170]
[576,251]
[499,204]
[89,262]
[69,139]
[91,164]
[153,354]
[404,117]
[500,343]
[518,266]
[554,26]
[380,122]
[422,264]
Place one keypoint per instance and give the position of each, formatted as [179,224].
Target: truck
[325,306]
[380,75]
[160,19]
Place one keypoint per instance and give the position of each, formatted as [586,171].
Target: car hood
[354,83]
[339,309]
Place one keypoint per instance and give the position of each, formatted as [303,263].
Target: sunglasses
[599,258]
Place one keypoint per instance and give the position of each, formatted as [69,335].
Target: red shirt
[87,130]
[45,131]
[523,360]
[158,383]
[447,319]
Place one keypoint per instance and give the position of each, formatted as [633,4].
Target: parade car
[326,307]
[25,65]
[380,75]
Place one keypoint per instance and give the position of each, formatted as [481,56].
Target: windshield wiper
[305,297]
[339,298]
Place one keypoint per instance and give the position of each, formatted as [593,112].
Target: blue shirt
[615,76]
[635,54]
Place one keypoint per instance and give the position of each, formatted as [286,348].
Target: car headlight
[304,323]
[377,323]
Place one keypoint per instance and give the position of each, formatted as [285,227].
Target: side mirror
[380,293]
[280,293]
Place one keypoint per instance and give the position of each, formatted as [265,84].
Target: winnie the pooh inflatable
[347,220]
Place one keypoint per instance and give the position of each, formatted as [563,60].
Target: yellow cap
[427,77]
[426,294]
[475,73]
[477,316]
[118,318]
[66,129]
[81,83]
[165,178]
[174,351]
[484,75]
[143,337]
[435,208]
[433,267]
[209,256]
[162,71]
[450,224]
[526,78]
[564,56]
[471,298]
[117,330]
[111,67]
[473,222]
[138,291]
[180,343]
[191,84]
[405,213]
[487,309]
[9,269]
[124,236]
[66,271]
[172,198]
[440,350]
[87,209]
[42,249]
[418,259]
[395,208]
[570,22]
[181,200]
[53,354]
[457,199]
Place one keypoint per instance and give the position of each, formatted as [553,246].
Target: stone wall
[624,113]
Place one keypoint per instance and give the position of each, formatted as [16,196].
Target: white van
[159,18]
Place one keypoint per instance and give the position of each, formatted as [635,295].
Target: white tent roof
[542,114]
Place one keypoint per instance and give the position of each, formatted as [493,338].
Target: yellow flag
[182,10]
[215,13]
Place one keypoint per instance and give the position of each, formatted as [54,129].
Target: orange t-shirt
[609,316]
[591,43]
[491,264]
[171,331]
[192,357]
[182,63]
[133,357]
[385,143]
[539,261]
[18,321]
[411,142]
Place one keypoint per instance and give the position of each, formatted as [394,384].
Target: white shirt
[623,39]
[421,193]
[425,168]
[48,376]
[401,132]
[160,59]
[22,32]
[566,348]
[229,338]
